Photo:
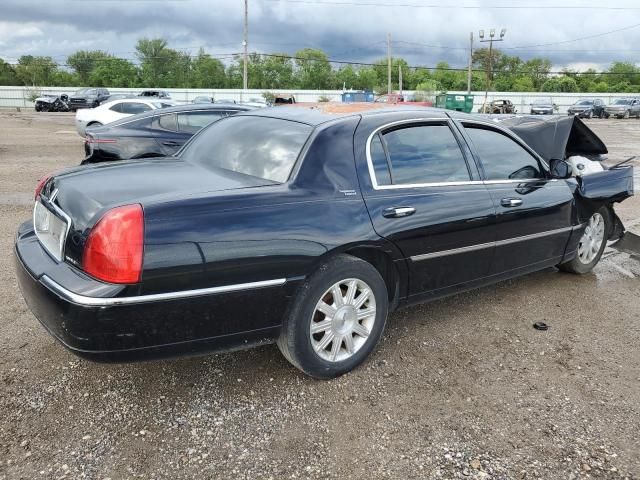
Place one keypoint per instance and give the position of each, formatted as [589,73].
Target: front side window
[502,157]
[191,122]
[258,146]
[418,155]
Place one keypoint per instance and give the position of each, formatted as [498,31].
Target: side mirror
[559,168]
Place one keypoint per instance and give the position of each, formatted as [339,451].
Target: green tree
[7,74]
[36,71]
[207,72]
[83,63]
[154,59]
[114,72]
[313,69]
[560,84]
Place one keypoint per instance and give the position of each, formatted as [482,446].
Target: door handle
[398,212]
[511,202]
[170,143]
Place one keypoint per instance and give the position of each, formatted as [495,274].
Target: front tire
[626,115]
[591,245]
[336,319]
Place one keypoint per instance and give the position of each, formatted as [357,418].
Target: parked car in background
[623,108]
[396,98]
[203,99]
[499,107]
[112,111]
[119,96]
[155,133]
[587,108]
[52,103]
[543,106]
[88,98]
[304,226]
[255,102]
[155,93]
[283,99]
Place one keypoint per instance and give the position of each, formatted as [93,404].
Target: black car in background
[302,225]
[155,93]
[155,133]
[587,108]
[88,98]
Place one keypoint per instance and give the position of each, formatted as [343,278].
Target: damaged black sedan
[305,226]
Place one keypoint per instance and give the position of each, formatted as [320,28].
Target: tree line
[160,66]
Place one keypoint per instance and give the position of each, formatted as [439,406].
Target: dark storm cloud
[345,32]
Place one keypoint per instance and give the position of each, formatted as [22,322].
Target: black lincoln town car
[304,226]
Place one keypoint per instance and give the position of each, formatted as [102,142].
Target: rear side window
[258,146]
[116,108]
[134,107]
[419,154]
[165,122]
[502,157]
[191,122]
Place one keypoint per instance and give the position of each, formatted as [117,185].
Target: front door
[426,197]
[534,212]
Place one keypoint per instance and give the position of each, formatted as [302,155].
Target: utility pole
[400,78]
[491,39]
[470,63]
[245,79]
[389,63]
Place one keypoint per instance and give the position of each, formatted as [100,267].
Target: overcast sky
[345,31]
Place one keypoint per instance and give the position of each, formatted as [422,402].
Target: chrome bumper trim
[112,301]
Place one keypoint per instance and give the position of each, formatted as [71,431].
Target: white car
[115,110]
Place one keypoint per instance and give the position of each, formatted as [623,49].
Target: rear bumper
[116,328]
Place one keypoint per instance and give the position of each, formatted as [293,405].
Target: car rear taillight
[114,249]
[41,183]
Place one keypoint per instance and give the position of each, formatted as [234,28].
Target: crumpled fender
[591,192]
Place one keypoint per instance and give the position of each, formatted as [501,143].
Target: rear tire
[345,301]
[591,245]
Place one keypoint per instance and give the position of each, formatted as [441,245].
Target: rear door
[534,212]
[424,194]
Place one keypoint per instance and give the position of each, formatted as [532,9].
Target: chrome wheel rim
[342,320]
[592,239]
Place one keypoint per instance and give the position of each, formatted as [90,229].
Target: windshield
[542,101]
[85,91]
[585,102]
[258,146]
[622,101]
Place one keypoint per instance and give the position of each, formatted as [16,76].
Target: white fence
[18,97]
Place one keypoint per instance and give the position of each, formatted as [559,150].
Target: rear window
[257,146]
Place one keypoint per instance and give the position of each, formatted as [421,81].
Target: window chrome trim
[84,300]
[372,174]
[499,243]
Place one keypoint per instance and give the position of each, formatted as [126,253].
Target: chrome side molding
[73,297]
[499,243]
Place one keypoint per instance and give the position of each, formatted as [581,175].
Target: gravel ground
[459,388]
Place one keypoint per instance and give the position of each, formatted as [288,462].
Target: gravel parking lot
[459,388]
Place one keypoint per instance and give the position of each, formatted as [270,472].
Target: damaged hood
[555,137]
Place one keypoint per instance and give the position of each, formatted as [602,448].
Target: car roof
[180,108]
[317,114]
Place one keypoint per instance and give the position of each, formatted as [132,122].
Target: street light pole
[491,39]
[470,63]
[245,80]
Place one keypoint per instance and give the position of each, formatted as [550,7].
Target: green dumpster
[460,103]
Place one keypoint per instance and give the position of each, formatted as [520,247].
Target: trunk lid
[85,192]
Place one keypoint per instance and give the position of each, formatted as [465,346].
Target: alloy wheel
[342,320]
[592,239]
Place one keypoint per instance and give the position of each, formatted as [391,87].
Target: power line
[449,7]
